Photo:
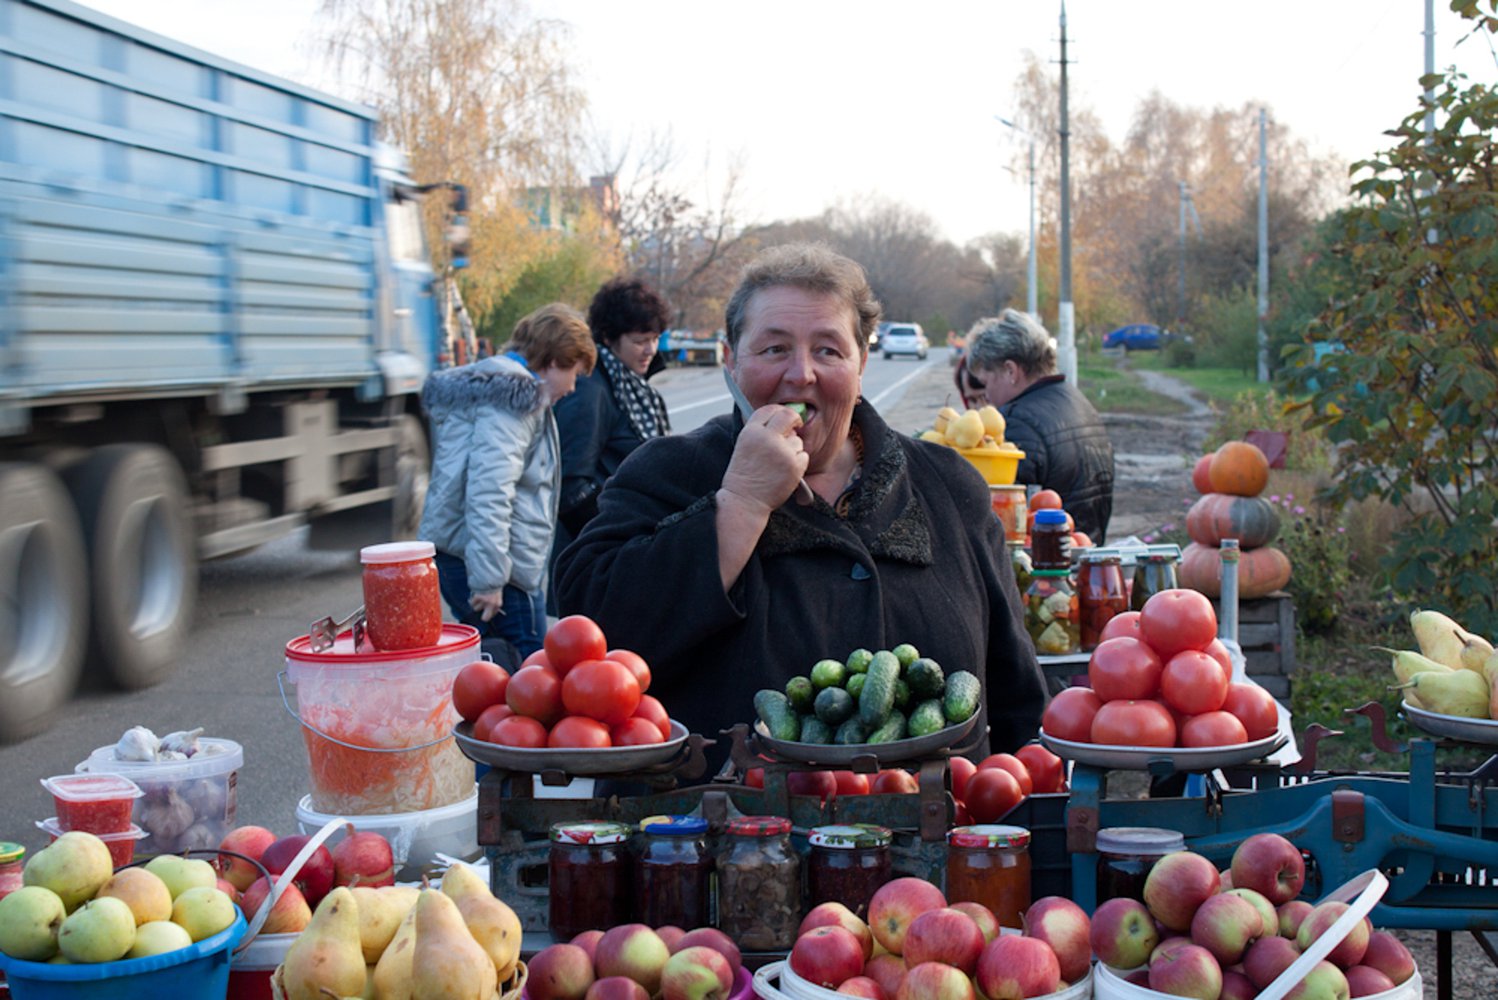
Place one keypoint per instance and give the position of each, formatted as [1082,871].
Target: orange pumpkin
[1260,571]
[1200,477]
[1251,520]
[1238,468]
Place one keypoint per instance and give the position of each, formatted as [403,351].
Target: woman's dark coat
[1066,449]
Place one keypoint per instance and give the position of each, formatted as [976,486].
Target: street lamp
[1031,305]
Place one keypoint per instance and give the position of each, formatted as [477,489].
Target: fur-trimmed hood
[499,382]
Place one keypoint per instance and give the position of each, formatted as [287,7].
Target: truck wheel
[413,472]
[43,599]
[132,502]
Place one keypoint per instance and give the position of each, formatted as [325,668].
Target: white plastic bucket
[793,987]
[205,782]
[415,837]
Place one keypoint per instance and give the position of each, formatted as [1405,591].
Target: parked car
[1135,337]
[878,335]
[904,338]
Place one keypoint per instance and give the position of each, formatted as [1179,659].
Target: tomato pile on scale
[1160,677]
[573,692]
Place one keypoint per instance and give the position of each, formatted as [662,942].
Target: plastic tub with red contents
[121,845]
[93,803]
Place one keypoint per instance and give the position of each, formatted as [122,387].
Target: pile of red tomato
[573,692]
[1160,677]
[984,792]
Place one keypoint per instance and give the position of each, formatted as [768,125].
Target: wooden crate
[1266,631]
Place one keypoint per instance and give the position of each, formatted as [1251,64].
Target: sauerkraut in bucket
[378,726]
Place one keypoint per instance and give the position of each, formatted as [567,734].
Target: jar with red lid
[848,864]
[759,884]
[591,878]
[1050,541]
[673,873]
[1101,593]
[402,599]
[1125,855]
[10,867]
[990,864]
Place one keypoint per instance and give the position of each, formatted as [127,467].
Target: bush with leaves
[1316,542]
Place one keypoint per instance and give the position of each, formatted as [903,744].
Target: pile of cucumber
[869,698]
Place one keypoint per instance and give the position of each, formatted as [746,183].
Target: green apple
[74,866]
[181,874]
[101,930]
[29,919]
[158,937]
[203,911]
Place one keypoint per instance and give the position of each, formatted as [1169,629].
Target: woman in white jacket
[491,506]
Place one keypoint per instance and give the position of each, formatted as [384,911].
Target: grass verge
[1112,389]
[1220,385]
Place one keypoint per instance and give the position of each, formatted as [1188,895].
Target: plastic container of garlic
[187,804]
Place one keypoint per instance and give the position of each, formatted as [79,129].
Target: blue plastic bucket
[199,971]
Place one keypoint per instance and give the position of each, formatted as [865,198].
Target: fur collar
[496,381]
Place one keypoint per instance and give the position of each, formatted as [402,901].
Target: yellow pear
[447,963]
[1407,663]
[934,436]
[993,421]
[1439,637]
[392,974]
[380,914]
[326,954]
[1459,693]
[967,430]
[491,922]
[1475,652]
[944,418]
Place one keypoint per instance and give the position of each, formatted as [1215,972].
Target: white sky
[830,99]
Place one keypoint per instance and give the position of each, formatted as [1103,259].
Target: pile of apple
[636,962]
[75,908]
[1227,935]
[1160,677]
[573,692]
[362,859]
[932,951]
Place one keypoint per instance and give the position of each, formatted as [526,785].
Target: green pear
[157,937]
[29,919]
[1439,637]
[101,930]
[181,874]
[1458,693]
[74,866]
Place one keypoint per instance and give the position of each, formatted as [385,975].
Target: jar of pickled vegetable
[848,864]
[1050,541]
[1152,573]
[1125,855]
[759,884]
[1101,594]
[1012,508]
[990,864]
[1019,556]
[1052,613]
[673,873]
[590,878]
[402,601]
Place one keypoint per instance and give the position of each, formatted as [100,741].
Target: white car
[904,338]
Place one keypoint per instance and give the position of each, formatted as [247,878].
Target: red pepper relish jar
[848,864]
[402,601]
[591,878]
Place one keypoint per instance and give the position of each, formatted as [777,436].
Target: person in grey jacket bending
[491,506]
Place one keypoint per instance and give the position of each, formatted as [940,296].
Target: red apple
[1269,864]
[1267,957]
[1349,951]
[670,934]
[290,915]
[251,841]
[818,783]
[1177,885]
[982,916]
[1064,926]
[1269,918]
[1237,986]
[616,988]
[887,970]
[1365,981]
[944,935]
[1123,935]
[364,858]
[896,904]
[827,956]
[696,973]
[588,942]
[837,915]
[711,937]
[1324,982]
[935,981]
[1014,967]
[1388,955]
[1225,879]
[229,889]
[1291,915]
[863,986]
[1139,977]
[316,876]
[632,950]
[1224,925]
[559,972]
[1188,972]
[1169,944]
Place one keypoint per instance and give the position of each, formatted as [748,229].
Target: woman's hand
[768,460]
[487,604]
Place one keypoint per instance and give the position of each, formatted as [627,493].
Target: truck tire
[132,503]
[413,473]
[43,599]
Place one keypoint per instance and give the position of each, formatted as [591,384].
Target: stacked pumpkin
[1231,480]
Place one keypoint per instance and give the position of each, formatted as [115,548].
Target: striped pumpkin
[1251,520]
[1260,571]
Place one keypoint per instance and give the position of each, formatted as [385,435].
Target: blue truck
[216,314]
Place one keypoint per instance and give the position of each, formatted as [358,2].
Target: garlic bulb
[138,743]
[183,742]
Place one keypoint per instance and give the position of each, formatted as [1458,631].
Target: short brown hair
[555,334]
[814,267]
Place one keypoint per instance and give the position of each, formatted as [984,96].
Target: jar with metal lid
[1012,508]
[759,884]
[402,599]
[1052,613]
[1152,573]
[1050,540]
[1125,855]
[848,864]
[10,867]
[990,864]
[673,873]
[1101,594]
[591,878]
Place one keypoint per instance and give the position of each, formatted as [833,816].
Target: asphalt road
[248,608]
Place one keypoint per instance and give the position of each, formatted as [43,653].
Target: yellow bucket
[998,468]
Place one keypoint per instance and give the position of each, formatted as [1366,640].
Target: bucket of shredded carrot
[378,725]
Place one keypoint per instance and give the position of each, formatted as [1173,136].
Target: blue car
[1135,337]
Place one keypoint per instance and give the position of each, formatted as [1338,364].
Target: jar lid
[1100,556]
[1051,572]
[1017,488]
[590,832]
[674,826]
[760,826]
[10,851]
[850,835]
[1139,840]
[989,835]
[1051,517]
[397,552]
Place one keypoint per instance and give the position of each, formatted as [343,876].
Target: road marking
[712,401]
[723,399]
[889,389]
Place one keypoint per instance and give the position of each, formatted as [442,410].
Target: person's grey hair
[814,267]
[1011,336]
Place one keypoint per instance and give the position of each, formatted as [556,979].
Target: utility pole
[1263,248]
[1186,204]
[1066,320]
[1031,291]
[1430,95]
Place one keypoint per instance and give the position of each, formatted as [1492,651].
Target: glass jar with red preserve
[673,873]
[591,878]
[1101,592]
[990,864]
[402,599]
[1125,855]
[848,864]
[10,867]
[93,803]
